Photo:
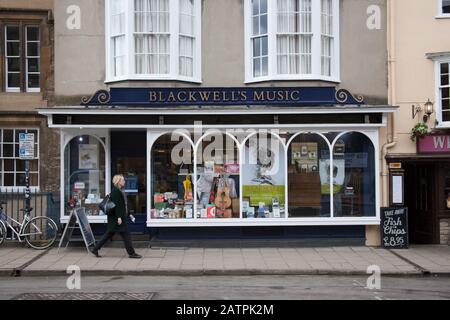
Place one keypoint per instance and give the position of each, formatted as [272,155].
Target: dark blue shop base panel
[305,236]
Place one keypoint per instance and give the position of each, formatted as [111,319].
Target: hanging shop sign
[159,97]
[434,144]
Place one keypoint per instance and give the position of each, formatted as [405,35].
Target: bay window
[153,40]
[292,40]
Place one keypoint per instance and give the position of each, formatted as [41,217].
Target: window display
[84,174]
[264,177]
[308,176]
[218,177]
[172,185]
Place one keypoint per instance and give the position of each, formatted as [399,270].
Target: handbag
[107,205]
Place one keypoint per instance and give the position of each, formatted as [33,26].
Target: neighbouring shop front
[230,162]
[426,188]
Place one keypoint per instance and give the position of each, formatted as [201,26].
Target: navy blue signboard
[158,97]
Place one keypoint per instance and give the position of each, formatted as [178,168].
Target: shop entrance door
[420,199]
[128,157]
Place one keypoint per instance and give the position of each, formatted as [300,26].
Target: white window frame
[130,69]
[38,89]
[316,52]
[438,87]
[7,88]
[14,143]
[441,14]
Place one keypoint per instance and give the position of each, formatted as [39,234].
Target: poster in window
[338,175]
[88,156]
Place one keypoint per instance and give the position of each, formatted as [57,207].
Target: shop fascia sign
[160,97]
[434,143]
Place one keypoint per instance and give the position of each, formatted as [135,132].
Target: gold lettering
[233,96]
[171,97]
[179,96]
[191,96]
[216,95]
[258,97]
[153,96]
[270,95]
[297,93]
[225,96]
[205,95]
[280,95]
[244,95]
[161,97]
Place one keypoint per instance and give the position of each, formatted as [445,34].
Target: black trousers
[125,237]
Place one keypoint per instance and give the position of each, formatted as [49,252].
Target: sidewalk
[417,260]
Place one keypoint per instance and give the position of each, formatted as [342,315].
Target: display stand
[77,220]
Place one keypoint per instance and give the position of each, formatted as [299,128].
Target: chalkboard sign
[394,228]
[77,217]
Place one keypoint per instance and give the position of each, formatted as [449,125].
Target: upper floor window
[444,7]
[292,40]
[21,45]
[443,93]
[153,40]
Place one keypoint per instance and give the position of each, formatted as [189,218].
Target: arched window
[218,176]
[84,171]
[308,176]
[171,173]
[354,175]
[263,177]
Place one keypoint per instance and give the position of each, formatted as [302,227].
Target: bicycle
[39,232]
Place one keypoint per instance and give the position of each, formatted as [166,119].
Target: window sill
[443,125]
[293,78]
[443,16]
[155,78]
[18,189]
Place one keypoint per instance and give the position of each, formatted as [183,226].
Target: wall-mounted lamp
[428,108]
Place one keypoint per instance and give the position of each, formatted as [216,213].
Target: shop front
[226,158]
[426,188]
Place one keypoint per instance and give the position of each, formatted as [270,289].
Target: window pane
[255,26]
[33,81]
[263,6]
[446,116]
[9,180]
[256,47]
[264,46]
[32,33]
[444,80]
[445,6]
[444,68]
[9,165]
[8,135]
[20,165]
[34,181]
[32,49]
[445,104]
[264,66]
[33,65]
[354,176]
[263,24]
[12,49]
[256,67]
[308,177]
[14,64]
[13,80]
[255,7]
[12,33]
[20,179]
[445,93]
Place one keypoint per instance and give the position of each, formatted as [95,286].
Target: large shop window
[84,173]
[353,175]
[263,177]
[12,168]
[292,40]
[172,182]
[153,39]
[218,177]
[308,176]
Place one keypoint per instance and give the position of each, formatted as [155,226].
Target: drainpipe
[391,134]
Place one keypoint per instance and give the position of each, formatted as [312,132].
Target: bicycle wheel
[40,232]
[3,233]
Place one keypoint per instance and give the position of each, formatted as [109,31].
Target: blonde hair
[116,179]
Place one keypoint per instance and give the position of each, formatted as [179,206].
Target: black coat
[118,212]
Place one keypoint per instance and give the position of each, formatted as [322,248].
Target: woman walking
[117,219]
